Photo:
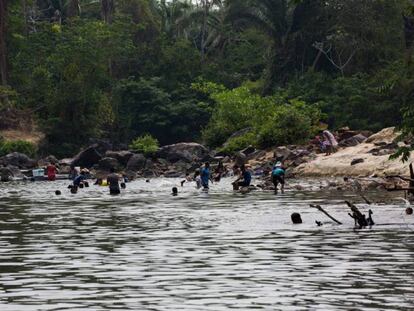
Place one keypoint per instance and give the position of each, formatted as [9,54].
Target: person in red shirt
[51,172]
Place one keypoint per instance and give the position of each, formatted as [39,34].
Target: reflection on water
[147,250]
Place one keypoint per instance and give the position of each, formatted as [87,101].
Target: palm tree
[194,21]
[172,14]
[276,18]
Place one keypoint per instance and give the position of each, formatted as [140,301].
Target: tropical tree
[276,19]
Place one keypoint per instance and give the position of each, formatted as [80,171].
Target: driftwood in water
[410,188]
[359,218]
[365,199]
[412,179]
[399,189]
[326,213]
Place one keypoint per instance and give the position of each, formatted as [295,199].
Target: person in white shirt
[330,142]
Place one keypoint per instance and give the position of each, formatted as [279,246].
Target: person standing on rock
[205,175]
[278,177]
[51,172]
[113,182]
[330,142]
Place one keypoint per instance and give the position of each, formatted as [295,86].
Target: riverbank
[370,158]
[361,155]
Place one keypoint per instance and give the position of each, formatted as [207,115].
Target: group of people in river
[202,178]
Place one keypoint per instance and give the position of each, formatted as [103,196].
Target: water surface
[147,250]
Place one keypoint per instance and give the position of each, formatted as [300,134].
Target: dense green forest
[202,70]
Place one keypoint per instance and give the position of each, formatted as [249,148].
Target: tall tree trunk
[107,10]
[206,8]
[409,38]
[73,9]
[3,48]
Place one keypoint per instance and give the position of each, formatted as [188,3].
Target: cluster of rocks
[169,161]
[178,159]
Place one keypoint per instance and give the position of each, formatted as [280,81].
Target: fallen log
[318,207]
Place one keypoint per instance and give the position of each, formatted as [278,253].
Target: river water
[148,250]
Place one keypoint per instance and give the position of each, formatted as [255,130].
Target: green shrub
[239,143]
[21,146]
[273,120]
[290,123]
[145,144]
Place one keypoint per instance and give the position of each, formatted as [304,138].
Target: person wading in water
[113,182]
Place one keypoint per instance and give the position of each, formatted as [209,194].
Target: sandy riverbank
[339,163]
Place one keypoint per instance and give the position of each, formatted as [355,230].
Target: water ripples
[148,250]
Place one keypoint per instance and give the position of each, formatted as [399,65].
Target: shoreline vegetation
[274,72]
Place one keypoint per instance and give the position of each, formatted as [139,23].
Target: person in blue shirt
[80,178]
[244,180]
[205,175]
[278,177]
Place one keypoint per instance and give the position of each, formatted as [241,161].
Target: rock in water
[18,159]
[87,157]
[187,152]
[122,156]
[136,163]
[49,159]
[108,163]
[244,190]
[10,172]
[240,159]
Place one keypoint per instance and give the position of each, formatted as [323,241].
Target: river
[148,250]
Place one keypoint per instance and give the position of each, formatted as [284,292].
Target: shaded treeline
[117,69]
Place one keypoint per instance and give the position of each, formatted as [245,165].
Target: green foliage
[145,107]
[21,146]
[84,78]
[239,143]
[289,123]
[273,120]
[348,101]
[145,144]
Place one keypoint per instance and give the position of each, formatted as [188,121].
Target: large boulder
[107,163]
[18,159]
[122,156]
[9,173]
[187,152]
[136,163]
[353,141]
[49,159]
[384,137]
[240,159]
[248,151]
[5,174]
[282,153]
[88,157]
